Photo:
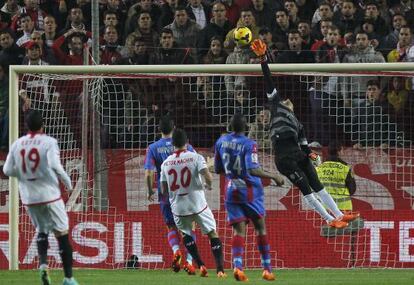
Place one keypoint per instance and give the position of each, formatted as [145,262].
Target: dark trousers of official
[297,167]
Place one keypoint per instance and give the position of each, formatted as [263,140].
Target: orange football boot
[338,224]
[189,268]
[349,217]
[176,264]
[203,271]
[239,275]
[221,274]
[267,275]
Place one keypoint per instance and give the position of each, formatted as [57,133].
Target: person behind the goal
[236,156]
[181,180]
[157,152]
[293,157]
[35,160]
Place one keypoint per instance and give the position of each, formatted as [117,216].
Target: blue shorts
[167,214]
[239,212]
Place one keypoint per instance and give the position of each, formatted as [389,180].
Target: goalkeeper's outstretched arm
[259,48]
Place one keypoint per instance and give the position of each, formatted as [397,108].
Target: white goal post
[16,71]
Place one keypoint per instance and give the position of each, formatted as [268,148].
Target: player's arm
[163,181]
[218,164]
[350,183]
[259,48]
[259,172]
[303,142]
[203,169]
[9,168]
[53,158]
[149,173]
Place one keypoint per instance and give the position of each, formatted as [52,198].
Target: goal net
[104,122]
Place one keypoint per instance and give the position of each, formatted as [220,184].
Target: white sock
[270,96]
[330,203]
[314,203]
[43,266]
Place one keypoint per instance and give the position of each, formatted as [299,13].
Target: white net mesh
[112,220]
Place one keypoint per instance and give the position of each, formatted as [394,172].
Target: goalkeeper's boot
[337,224]
[267,275]
[203,271]
[349,217]
[44,276]
[221,274]
[176,264]
[239,275]
[70,281]
[189,268]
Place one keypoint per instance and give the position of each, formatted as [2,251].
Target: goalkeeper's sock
[65,251]
[314,203]
[189,258]
[329,202]
[174,240]
[237,250]
[42,245]
[217,250]
[264,249]
[192,249]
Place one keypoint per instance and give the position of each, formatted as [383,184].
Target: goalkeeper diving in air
[293,157]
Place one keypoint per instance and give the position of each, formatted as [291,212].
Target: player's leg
[173,236]
[41,220]
[237,219]
[60,222]
[289,167]
[310,172]
[185,225]
[208,226]
[256,212]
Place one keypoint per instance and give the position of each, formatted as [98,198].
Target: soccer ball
[242,36]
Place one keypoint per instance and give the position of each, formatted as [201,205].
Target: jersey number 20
[185,178]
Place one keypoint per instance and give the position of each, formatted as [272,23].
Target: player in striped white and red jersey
[181,178]
[35,160]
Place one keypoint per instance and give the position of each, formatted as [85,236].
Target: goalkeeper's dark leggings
[299,170]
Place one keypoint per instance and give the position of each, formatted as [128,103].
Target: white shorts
[205,220]
[49,217]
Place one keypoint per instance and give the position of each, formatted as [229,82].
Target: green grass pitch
[165,277]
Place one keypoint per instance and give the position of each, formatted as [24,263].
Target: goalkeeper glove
[259,48]
[315,159]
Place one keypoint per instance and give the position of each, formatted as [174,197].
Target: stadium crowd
[40,32]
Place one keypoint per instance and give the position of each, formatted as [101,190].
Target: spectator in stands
[306,9]
[263,14]
[75,21]
[332,51]
[246,20]
[219,26]
[404,49]
[168,52]
[281,27]
[118,7]
[67,5]
[4,20]
[199,12]
[295,54]
[4,107]
[259,130]
[145,30]
[272,50]
[398,94]
[34,54]
[185,30]
[305,32]
[168,12]
[292,9]
[233,11]
[11,8]
[139,56]
[47,54]
[10,53]
[136,9]
[390,41]
[110,51]
[347,20]
[362,53]
[216,53]
[75,40]
[50,34]
[110,18]
[242,103]
[368,26]
[321,35]
[372,13]
[27,27]
[31,8]
[324,12]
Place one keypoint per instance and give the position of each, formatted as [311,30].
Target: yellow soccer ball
[242,36]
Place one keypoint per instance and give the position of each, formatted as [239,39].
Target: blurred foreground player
[35,160]
[293,157]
